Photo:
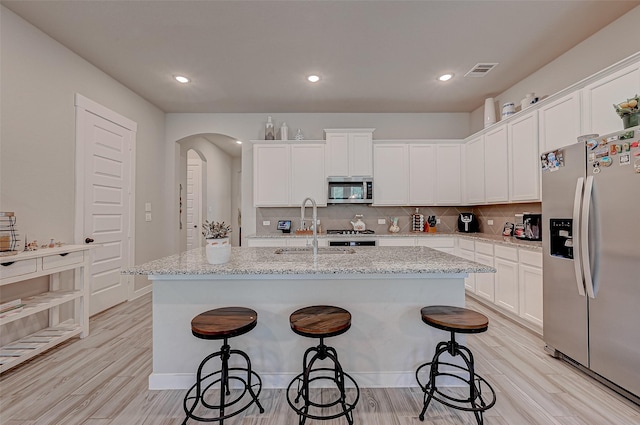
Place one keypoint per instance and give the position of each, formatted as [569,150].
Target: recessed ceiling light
[445,77]
[181,79]
[239,142]
[313,78]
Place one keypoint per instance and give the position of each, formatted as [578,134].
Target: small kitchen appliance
[532,227]
[467,223]
[350,190]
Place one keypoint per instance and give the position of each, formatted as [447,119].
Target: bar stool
[222,324]
[456,320]
[321,322]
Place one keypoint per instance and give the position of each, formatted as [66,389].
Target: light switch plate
[382,221]
[266,223]
[147,217]
[147,207]
[490,222]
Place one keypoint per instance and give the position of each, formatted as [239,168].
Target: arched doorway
[219,158]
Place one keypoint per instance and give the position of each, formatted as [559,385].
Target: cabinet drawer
[435,242]
[60,260]
[484,248]
[17,268]
[531,258]
[506,252]
[466,244]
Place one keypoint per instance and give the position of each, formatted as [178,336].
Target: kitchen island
[383,288]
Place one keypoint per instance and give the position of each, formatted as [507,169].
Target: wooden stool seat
[454,319]
[320,321]
[226,322]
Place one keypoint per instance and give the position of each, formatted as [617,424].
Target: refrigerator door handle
[584,236]
[577,240]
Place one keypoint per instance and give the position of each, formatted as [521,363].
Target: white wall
[247,127]
[606,47]
[39,78]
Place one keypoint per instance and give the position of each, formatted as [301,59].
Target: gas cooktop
[350,232]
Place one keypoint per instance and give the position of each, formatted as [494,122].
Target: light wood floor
[103,380]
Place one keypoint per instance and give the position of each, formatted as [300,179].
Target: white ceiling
[373,56]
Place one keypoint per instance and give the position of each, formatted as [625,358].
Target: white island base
[386,343]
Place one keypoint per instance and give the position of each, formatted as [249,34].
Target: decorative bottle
[269,133]
[284,131]
[299,135]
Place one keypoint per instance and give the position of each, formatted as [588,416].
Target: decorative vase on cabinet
[218,251]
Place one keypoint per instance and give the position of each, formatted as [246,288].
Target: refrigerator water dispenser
[561,237]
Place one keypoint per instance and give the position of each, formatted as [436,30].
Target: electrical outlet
[490,222]
[266,223]
[382,221]
[147,207]
[437,221]
[147,217]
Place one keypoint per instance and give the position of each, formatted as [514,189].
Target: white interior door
[194,196]
[104,188]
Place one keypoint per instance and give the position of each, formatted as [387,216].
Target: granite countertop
[483,237]
[264,261]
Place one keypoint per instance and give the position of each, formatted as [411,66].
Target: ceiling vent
[480,69]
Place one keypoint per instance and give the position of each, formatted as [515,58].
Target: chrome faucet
[315,223]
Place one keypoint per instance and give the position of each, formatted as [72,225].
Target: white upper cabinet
[474,170]
[285,174]
[307,174]
[349,152]
[524,163]
[271,175]
[448,182]
[422,174]
[599,97]
[496,165]
[391,174]
[560,122]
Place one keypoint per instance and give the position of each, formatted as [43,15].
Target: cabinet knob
[88,240]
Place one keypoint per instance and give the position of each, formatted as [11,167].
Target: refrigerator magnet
[625,159]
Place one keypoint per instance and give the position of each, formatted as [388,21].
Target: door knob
[195,226]
[88,240]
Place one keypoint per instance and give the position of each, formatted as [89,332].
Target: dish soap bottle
[284,131]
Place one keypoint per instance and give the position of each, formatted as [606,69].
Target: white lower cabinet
[530,283]
[284,242]
[485,282]
[440,243]
[506,278]
[397,241]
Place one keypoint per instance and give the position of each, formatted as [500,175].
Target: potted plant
[629,112]
[218,248]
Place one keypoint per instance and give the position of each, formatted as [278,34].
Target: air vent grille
[480,69]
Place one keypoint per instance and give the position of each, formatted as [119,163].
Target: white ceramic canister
[527,101]
[508,109]
[218,250]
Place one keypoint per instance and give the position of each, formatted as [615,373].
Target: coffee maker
[467,223]
[532,227]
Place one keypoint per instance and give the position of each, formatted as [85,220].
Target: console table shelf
[70,287]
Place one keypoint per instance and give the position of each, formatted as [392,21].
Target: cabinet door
[599,98]
[524,162]
[448,174]
[530,281]
[360,154]
[560,122]
[506,285]
[474,168]
[307,174]
[267,242]
[337,154]
[271,175]
[422,174]
[496,168]
[485,281]
[390,182]
[469,282]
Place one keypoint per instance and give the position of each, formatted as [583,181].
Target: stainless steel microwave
[350,190]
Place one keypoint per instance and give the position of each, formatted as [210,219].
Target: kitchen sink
[321,250]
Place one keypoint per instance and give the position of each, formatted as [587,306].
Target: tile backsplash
[339,216]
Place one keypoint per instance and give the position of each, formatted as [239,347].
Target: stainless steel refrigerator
[591,262]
